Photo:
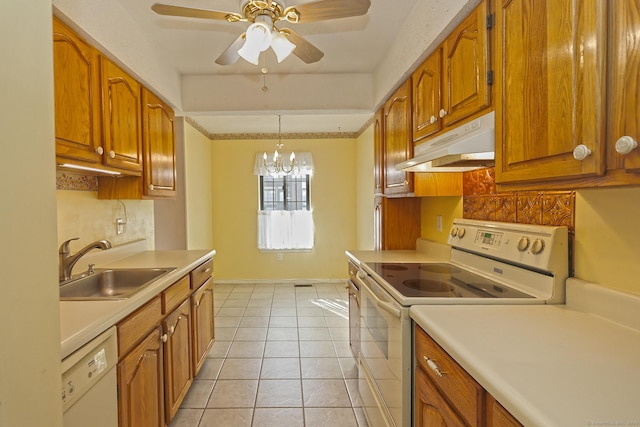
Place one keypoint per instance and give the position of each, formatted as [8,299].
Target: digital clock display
[488,238]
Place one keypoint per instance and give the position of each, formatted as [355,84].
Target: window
[285,220]
[284,193]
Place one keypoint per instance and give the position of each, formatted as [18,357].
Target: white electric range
[490,263]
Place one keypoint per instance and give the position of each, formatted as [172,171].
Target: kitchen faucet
[67,261]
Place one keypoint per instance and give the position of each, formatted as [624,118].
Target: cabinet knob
[626,144]
[172,329]
[151,187]
[443,112]
[100,150]
[433,119]
[112,154]
[581,152]
[164,337]
[406,182]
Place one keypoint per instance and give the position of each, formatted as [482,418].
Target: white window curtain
[285,230]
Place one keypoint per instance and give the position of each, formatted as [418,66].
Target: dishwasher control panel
[85,367]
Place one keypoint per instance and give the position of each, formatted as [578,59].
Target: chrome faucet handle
[64,247]
[90,270]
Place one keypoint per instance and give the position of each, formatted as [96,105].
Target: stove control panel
[537,246]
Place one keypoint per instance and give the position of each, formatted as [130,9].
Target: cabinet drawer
[456,385]
[200,274]
[175,294]
[136,326]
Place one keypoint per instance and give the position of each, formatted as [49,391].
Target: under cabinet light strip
[86,168]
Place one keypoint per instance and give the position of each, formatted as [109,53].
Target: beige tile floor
[281,358]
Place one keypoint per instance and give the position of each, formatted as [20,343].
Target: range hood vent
[469,146]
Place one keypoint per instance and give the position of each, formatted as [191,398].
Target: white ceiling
[364,59]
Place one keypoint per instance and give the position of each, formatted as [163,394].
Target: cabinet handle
[100,150]
[112,154]
[626,144]
[164,337]
[433,119]
[432,365]
[443,113]
[206,270]
[581,152]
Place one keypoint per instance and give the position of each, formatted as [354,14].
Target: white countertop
[81,321]
[549,365]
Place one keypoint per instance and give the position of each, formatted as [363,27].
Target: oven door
[385,356]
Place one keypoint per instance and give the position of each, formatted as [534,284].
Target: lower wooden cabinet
[161,348]
[430,407]
[202,319]
[178,374]
[140,384]
[446,395]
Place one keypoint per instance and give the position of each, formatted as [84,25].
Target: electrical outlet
[439,223]
[119,225]
[279,256]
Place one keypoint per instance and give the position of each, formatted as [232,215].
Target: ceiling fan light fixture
[257,39]
[281,46]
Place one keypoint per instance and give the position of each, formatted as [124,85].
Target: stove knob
[523,243]
[461,232]
[537,246]
[454,231]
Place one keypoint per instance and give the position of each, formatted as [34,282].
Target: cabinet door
[551,80]
[427,94]
[140,385]
[158,143]
[397,222]
[398,143]
[378,152]
[177,358]
[76,94]
[203,324]
[498,416]
[624,102]
[466,68]
[121,109]
[430,408]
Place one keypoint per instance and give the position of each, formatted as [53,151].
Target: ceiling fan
[262,33]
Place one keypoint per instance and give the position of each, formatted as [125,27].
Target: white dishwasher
[89,384]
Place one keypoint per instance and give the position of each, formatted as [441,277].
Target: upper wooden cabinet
[159,146]
[398,145]
[378,152]
[624,84]
[76,95]
[121,116]
[550,75]
[454,82]
[426,82]
[466,79]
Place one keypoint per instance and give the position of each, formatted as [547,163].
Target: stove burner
[439,268]
[427,285]
[394,267]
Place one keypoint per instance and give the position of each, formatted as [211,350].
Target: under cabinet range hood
[467,147]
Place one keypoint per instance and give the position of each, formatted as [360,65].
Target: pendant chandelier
[279,167]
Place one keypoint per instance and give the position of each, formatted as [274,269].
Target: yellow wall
[235,205]
[607,246]
[29,305]
[199,188]
[364,195]
[449,207]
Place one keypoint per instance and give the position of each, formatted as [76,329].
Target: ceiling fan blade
[230,55]
[326,9]
[304,49]
[189,12]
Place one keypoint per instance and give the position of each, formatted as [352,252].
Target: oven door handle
[386,306]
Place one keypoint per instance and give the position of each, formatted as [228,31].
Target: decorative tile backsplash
[481,202]
[71,181]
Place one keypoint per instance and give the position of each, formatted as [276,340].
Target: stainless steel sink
[111,283]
